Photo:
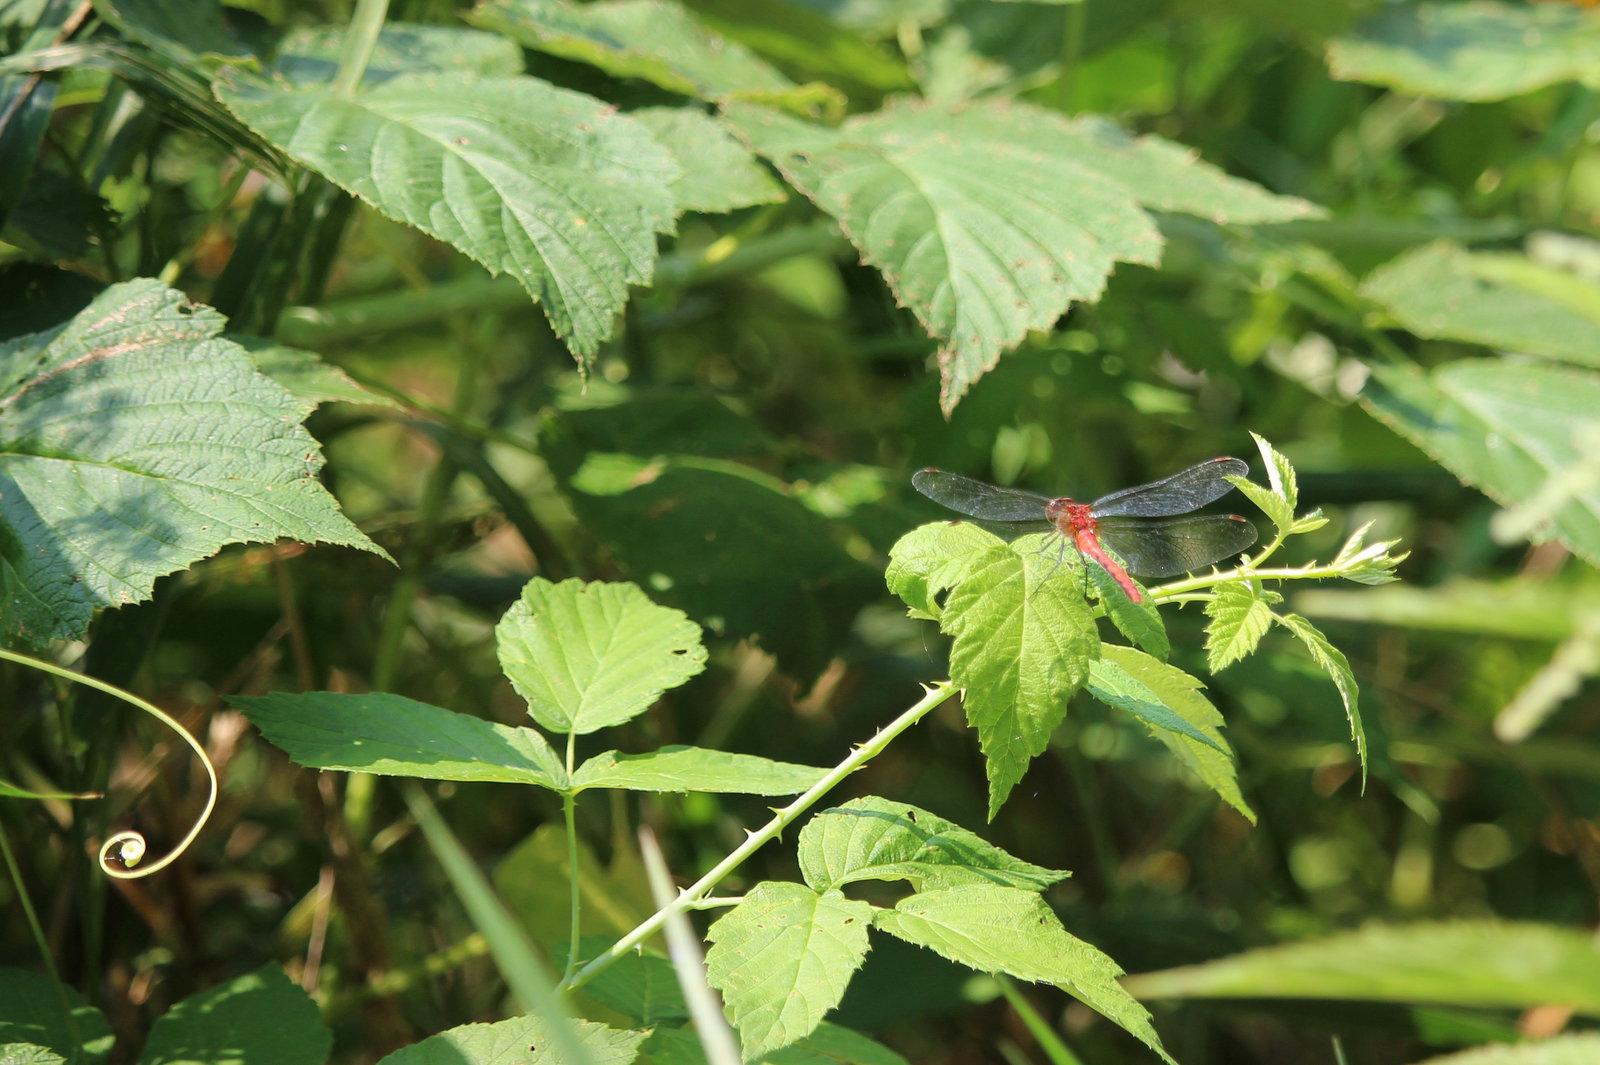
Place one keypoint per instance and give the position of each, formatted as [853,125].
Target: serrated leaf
[782,959]
[644,987]
[1440,291]
[394,736]
[718,173]
[1168,700]
[929,559]
[587,656]
[260,1018]
[989,220]
[992,928]
[1487,964]
[29,1054]
[31,1012]
[548,185]
[311,54]
[1140,622]
[134,441]
[685,769]
[798,36]
[1240,616]
[1573,1049]
[829,1044]
[306,377]
[518,1041]
[651,39]
[1333,662]
[875,839]
[1023,641]
[1471,51]
[1508,429]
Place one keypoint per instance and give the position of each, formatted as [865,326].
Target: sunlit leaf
[1496,299]
[587,656]
[1334,663]
[548,185]
[517,1041]
[1140,622]
[1522,433]
[306,377]
[989,221]
[992,928]
[875,839]
[782,959]
[134,441]
[260,1018]
[719,173]
[695,769]
[1464,963]
[643,986]
[1023,641]
[1480,50]
[1240,616]
[29,1054]
[1578,1048]
[31,1012]
[928,560]
[311,54]
[1169,702]
[395,736]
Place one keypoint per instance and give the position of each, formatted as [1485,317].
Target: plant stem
[569,809]
[690,897]
[1169,592]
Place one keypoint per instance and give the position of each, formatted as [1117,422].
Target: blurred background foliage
[741,449]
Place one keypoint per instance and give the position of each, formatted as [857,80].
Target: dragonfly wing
[977,499]
[1180,493]
[1183,545]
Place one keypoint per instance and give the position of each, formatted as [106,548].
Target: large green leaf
[587,656]
[134,441]
[1479,50]
[1023,641]
[29,1054]
[1169,702]
[1581,1048]
[548,185]
[1504,301]
[518,1041]
[1466,963]
[535,880]
[30,1012]
[726,542]
[306,377]
[656,40]
[260,1018]
[997,929]
[828,1044]
[1522,433]
[930,559]
[396,736]
[312,54]
[988,221]
[695,769]
[719,173]
[782,959]
[875,839]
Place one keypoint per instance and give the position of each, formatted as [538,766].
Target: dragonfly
[1114,521]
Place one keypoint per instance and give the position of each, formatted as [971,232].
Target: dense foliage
[409,403]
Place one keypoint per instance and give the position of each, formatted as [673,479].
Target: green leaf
[782,959]
[1022,647]
[642,986]
[306,377]
[1486,964]
[260,1017]
[718,173]
[655,40]
[703,534]
[992,928]
[1168,700]
[550,186]
[311,54]
[1522,433]
[1332,660]
[183,31]
[134,441]
[1440,291]
[1574,1049]
[535,882]
[587,656]
[804,37]
[1140,622]
[29,1054]
[930,559]
[829,1044]
[395,736]
[988,221]
[11,791]
[875,839]
[695,769]
[1471,51]
[517,1041]
[1281,494]
[1240,615]
[30,1012]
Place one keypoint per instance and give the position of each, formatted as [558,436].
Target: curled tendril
[128,846]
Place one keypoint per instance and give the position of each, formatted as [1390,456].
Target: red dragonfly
[1149,548]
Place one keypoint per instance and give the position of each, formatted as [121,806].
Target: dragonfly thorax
[1069,517]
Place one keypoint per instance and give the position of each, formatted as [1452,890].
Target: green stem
[569,809]
[26,902]
[1177,589]
[360,41]
[1071,54]
[690,897]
